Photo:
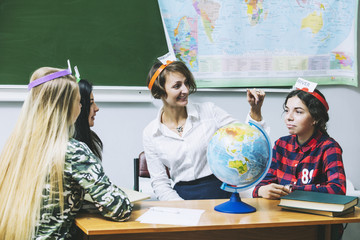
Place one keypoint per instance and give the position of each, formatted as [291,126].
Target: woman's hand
[273,191]
[255,98]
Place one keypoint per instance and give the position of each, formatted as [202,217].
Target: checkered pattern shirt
[314,166]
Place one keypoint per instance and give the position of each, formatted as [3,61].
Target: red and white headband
[309,87]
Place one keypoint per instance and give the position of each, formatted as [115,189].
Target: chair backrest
[141,170]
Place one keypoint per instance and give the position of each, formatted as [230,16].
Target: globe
[239,155]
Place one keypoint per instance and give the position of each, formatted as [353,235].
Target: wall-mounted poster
[248,43]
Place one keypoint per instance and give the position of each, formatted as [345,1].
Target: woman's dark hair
[83,133]
[158,89]
[316,108]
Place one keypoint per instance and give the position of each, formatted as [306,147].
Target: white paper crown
[305,84]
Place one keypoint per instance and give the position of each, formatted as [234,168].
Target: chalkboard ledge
[18,93]
[274,90]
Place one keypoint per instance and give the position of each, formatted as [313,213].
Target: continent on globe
[239,165]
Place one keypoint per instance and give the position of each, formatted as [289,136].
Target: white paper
[173,216]
[167,57]
[303,83]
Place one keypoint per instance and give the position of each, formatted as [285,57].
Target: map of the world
[238,43]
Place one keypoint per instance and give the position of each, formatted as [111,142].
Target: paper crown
[165,60]
[55,75]
[309,87]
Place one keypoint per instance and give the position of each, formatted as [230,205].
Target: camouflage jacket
[83,173]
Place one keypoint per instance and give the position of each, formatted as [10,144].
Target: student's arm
[270,187]
[269,178]
[160,181]
[333,171]
[88,172]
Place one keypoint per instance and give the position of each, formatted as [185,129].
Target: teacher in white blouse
[178,137]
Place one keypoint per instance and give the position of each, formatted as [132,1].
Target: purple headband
[54,76]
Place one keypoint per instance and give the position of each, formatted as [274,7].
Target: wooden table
[268,222]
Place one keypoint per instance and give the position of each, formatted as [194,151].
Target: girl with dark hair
[86,119]
[308,159]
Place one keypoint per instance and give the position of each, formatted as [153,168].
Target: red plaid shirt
[314,166]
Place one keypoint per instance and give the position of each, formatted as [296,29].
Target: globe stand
[235,205]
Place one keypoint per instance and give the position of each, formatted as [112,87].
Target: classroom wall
[120,127]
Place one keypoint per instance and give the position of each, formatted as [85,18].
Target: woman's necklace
[180,129]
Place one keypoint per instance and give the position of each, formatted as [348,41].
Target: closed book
[319,212]
[318,201]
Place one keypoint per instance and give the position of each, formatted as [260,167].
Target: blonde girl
[44,171]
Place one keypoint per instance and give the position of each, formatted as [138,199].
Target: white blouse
[185,155]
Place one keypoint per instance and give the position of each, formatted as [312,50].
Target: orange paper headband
[318,96]
[157,73]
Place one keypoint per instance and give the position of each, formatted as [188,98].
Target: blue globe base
[235,205]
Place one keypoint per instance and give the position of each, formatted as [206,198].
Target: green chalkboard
[113,42]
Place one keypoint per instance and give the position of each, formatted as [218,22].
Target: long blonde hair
[34,154]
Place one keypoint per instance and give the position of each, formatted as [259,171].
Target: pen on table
[165,210]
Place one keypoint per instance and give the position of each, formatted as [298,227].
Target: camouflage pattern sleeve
[88,172]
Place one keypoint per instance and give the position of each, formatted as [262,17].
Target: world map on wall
[237,43]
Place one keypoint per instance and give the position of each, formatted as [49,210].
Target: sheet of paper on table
[173,216]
